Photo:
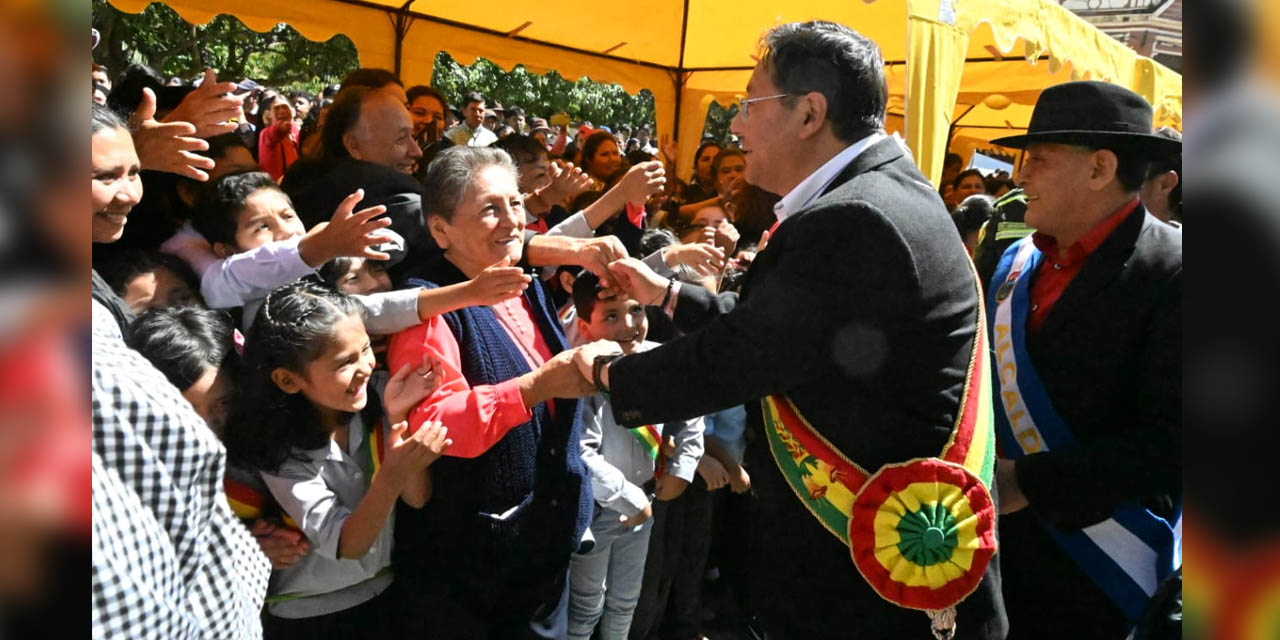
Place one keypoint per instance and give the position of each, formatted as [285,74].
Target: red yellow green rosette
[922,533]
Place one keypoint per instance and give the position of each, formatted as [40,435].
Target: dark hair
[725,154]
[970,215]
[218,209]
[184,342]
[993,184]
[523,149]
[586,292]
[584,199]
[514,111]
[955,182]
[654,239]
[333,270]
[293,327]
[121,268]
[219,145]
[836,61]
[592,145]
[342,117]
[126,94]
[952,158]
[102,118]
[472,96]
[1131,165]
[370,77]
[449,175]
[706,144]
[1164,164]
[419,90]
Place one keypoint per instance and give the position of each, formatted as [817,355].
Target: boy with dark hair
[629,468]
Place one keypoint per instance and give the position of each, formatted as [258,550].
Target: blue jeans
[604,584]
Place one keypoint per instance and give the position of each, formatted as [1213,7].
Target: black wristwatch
[597,367]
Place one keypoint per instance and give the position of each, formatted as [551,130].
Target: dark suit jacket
[1110,357]
[318,185]
[862,309]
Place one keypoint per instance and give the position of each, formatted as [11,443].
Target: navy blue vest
[520,508]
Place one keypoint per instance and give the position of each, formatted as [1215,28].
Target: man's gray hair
[449,175]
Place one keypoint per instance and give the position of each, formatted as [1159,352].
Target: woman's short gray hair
[452,171]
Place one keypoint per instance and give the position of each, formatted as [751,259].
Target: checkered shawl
[170,560]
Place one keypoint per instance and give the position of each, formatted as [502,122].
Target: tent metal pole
[679,72]
[401,23]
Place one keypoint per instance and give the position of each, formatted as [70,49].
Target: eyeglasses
[744,103]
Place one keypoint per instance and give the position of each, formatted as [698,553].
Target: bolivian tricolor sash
[251,503]
[1130,553]
[920,532]
[651,439]
[374,447]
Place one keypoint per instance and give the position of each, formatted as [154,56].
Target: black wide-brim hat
[1094,114]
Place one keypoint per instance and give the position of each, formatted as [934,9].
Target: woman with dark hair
[488,556]
[601,159]
[970,215]
[702,185]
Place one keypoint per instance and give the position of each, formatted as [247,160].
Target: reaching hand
[566,182]
[739,480]
[346,234]
[407,455]
[726,236]
[669,148]
[642,181]
[712,473]
[764,240]
[409,386]
[639,518]
[559,377]
[497,283]
[596,254]
[669,487]
[210,107]
[167,146]
[283,546]
[639,281]
[703,259]
[585,357]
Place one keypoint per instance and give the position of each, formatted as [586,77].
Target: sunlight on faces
[1053,176]
[338,379]
[384,134]
[159,289]
[115,186]
[768,135]
[488,224]
[606,160]
[267,217]
[474,114]
[621,320]
[969,186]
[211,397]
[732,173]
[703,164]
[427,111]
[364,277]
[535,175]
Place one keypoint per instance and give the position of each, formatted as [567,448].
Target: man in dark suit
[862,310]
[1087,331]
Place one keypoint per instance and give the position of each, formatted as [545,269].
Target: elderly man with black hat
[1086,326]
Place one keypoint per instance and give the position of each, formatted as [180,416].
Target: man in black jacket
[1087,331]
[862,310]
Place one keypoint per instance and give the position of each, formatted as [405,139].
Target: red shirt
[1058,268]
[477,417]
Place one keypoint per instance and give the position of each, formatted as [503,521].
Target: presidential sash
[1129,554]
[921,532]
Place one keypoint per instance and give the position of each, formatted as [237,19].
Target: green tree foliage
[159,38]
[543,95]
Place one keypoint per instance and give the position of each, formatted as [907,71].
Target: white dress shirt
[811,187]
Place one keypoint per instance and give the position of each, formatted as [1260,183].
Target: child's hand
[497,283]
[739,480]
[283,546]
[346,234]
[669,487]
[704,259]
[410,454]
[408,387]
[713,473]
[639,518]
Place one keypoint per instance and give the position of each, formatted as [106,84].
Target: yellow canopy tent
[946,60]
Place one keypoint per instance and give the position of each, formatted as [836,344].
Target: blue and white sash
[1129,554]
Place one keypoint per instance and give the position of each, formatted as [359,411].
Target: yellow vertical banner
[935,64]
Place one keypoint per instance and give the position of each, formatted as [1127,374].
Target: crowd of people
[370,362]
